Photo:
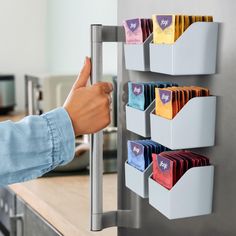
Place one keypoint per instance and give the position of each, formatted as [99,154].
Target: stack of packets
[169,101]
[168,28]
[142,94]
[140,153]
[137,30]
[169,167]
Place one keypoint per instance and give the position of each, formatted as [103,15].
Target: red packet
[204,160]
[164,170]
[193,160]
[181,166]
[179,163]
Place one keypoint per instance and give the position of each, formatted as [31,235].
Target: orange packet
[186,94]
[197,91]
[164,102]
[203,91]
[178,101]
[190,92]
[182,98]
[175,100]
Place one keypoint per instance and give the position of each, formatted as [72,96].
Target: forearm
[35,145]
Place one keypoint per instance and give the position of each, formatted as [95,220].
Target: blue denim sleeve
[35,145]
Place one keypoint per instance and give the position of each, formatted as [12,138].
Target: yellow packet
[209,18]
[186,22]
[177,27]
[192,19]
[163,29]
[205,18]
[198,18]
[181,24]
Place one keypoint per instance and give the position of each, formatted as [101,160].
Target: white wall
[22,40]
[69,33]
[50,36]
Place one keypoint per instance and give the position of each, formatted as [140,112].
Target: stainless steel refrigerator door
[222,155]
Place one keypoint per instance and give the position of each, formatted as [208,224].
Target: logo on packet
[164,21]
[165,96]
[133,24]
[136,148]
[163,163]
[137,89]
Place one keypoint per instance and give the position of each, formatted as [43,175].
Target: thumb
[84,75]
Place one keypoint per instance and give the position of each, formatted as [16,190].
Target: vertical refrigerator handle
[100,219]
[96,148]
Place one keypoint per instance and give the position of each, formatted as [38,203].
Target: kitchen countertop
[14,116]
[64,201]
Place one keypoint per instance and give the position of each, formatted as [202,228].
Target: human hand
[89,106]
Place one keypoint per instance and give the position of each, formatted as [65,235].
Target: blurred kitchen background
[43,44]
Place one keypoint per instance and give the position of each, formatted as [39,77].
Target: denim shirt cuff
[62,136]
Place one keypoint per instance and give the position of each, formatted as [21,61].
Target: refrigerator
[134,215]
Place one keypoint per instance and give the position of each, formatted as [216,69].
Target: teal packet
[136,95]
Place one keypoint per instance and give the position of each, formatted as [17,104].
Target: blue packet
[149,147]
[152,149]
[140,152]
[147,154]
[136,154]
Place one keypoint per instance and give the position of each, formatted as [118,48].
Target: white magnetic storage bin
[137,55]
[138,121]
[190,196]
[194,52]
[136,180]
[192,127]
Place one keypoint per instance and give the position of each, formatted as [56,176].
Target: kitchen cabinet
[17,218]
[7,211]
[32,224]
